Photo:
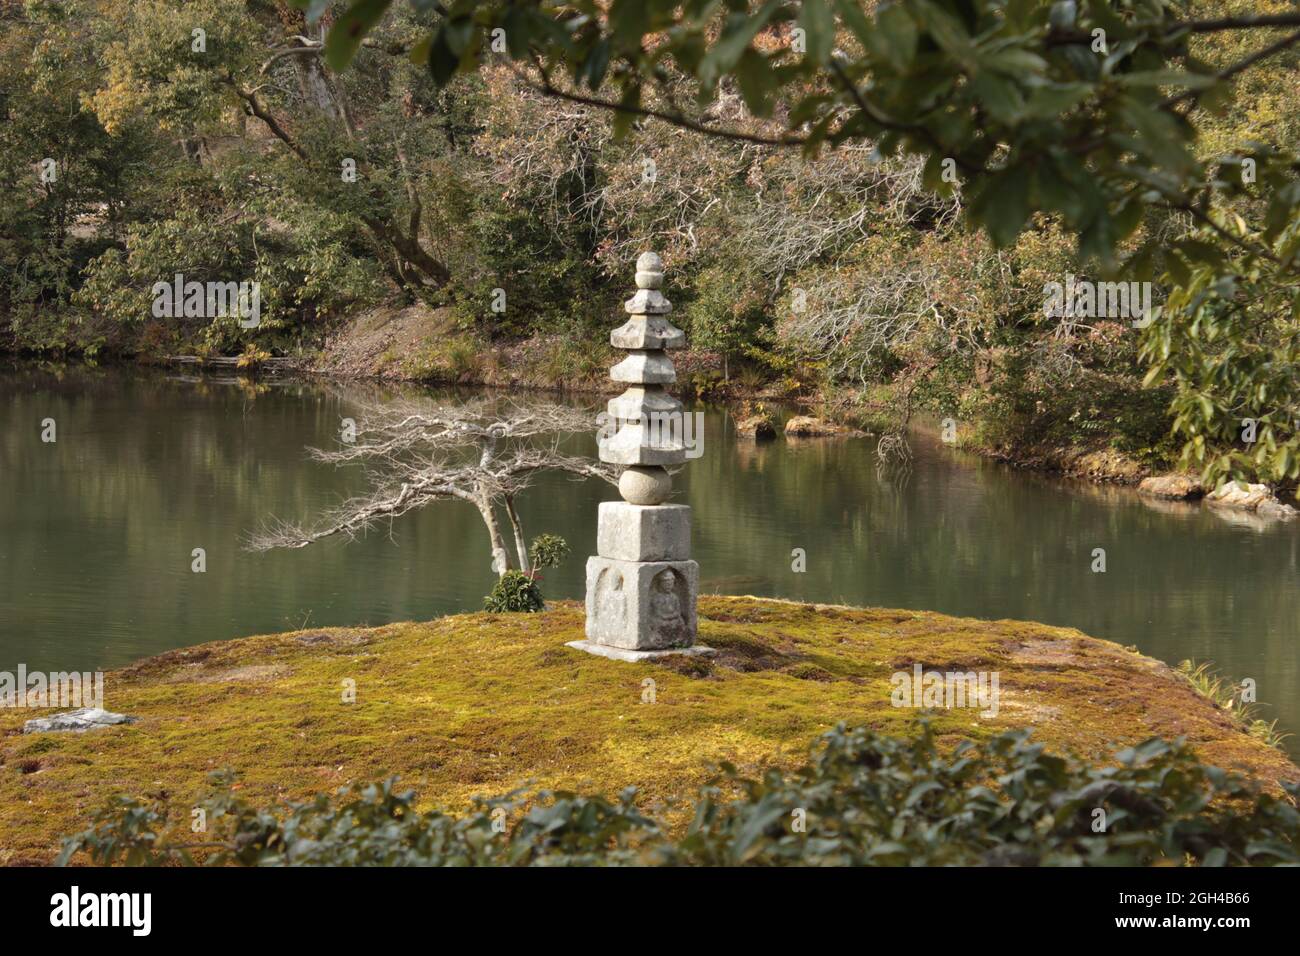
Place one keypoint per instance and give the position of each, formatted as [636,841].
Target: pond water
[97,530]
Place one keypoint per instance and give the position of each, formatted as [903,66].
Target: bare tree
[483,452]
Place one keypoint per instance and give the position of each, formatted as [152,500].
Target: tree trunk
[409,248]
[318,91]
[494,534]
[520,547]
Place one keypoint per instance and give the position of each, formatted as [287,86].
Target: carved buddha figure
[666,620]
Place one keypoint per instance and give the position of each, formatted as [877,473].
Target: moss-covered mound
[481,704]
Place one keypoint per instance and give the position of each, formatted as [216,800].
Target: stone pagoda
[642,583]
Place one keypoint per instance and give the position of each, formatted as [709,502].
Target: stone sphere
[645,486]
[649,271]
[649,262]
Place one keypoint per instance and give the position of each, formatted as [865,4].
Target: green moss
[481,703]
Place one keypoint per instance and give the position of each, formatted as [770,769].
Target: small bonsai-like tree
[518,590]
[483,452]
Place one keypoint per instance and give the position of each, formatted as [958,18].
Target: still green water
[97,529]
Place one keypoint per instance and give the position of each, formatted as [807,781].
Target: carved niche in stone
[668,625]
[611,600]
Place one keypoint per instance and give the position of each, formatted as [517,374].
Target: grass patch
[481,704]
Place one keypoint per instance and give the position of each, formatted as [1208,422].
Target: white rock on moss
[77,721]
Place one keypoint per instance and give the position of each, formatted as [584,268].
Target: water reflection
[96,533]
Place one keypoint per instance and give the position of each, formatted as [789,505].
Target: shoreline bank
[478,703]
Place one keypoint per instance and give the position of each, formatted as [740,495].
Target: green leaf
[1097,240]
[932,176]
[442,62]
[629,20]
[1053,99]
[419,54]
[1178,271]
[519,32]
[596,64]
[1014,62]
[624,118]
[757,82]
[818,135]
[808,108]
[1204,252]
[1159,136]
[819,29]
[737,32]
[948,32]
[459,32]
[1051,192]
[1000,96]
[345,36]
[919,791]
[898,30]
[1127,218]
[1003,206]
[761,816]
[853,17]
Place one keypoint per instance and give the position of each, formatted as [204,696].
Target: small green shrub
[862,799]
[514,591]
[548,551]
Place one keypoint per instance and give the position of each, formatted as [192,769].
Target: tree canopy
[1084,114]
[808,171]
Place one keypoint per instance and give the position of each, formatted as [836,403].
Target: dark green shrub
[862,799]
[548,551]
[514,591]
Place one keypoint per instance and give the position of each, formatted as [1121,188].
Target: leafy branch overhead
[1077,110]
[1084,113]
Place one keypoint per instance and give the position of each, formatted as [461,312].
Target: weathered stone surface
[643,367]
[641,586]
[805,426]
[647,332]
[638,444]
[1275,509]
[1172,487]
[649,485]
[757,427]
[648,302]
[622,654]
[631,532]
[643,402]
[1254,497]
[644,606]
[649,271]
[77,721]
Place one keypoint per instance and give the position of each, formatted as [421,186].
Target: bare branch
[481,452]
